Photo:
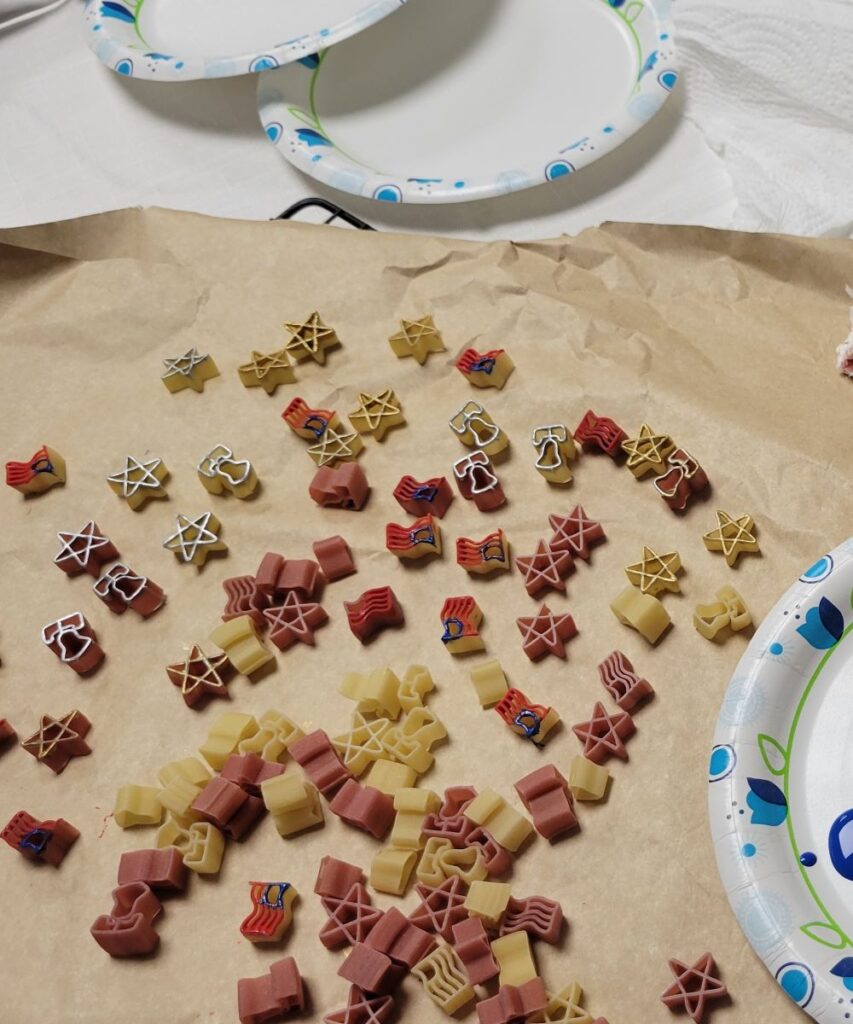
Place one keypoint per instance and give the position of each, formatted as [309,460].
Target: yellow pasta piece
[362,745]
[189,768]
[411,740]
[411,806]
[178,797]
[514,958]
[489,682]
[391,869]
[190,370]
[390,776]
[504,823]
[475,428]
[220,473]
[201,844]
[275,734]
[587,780]
[642,612]
[137,805]
[293,803]
[240,640]
[729,611]
[376,693]
[441,860]
[444,979]
[414,686]
[555,449]
[488,901]
[563,1007]
[225,735]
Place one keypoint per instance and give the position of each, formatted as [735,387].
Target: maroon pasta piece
[545,794]
[334,557]
[271,996]
[363,807]
[163,870]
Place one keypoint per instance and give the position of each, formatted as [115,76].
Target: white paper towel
[770,87]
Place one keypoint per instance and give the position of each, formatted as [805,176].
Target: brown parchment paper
[723,340]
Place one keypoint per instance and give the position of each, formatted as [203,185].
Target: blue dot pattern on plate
[797,982]
[776,648]
[808,859]
[124,66]
[723,760]
[388,194]
[819,571]
[748,849]
[668,79]
[263,63]
[558,169]
[273,130]
[841,844]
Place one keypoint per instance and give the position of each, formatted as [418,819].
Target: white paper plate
[454,100]
[179,40]
[781,790]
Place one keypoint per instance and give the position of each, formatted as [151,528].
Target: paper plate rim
[112,33]
[299,136]
[779,909]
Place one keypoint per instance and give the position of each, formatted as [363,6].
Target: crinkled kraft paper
[725,341]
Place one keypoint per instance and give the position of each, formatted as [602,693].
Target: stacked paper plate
[448,101]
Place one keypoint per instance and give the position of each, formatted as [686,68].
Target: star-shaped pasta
[647,452]
[377,414]
[267,370]
[310,339]
[336,446]
[732,536]
[195,538]
[416,338]
[190,370]
[139,481]
[654,573]
[199,677]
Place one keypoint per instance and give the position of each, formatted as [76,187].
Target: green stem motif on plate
[629,24]
[137,7]
[836,938]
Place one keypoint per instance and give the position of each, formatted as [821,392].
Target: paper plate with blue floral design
[180,40]
[780,790]
[451,101]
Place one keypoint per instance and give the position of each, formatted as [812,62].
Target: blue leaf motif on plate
[841,844]
[767,802]
[844,970]
[109,9]
[650,62]
[311,137]
[823,625]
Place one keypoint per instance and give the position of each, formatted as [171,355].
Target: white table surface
[75,139]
